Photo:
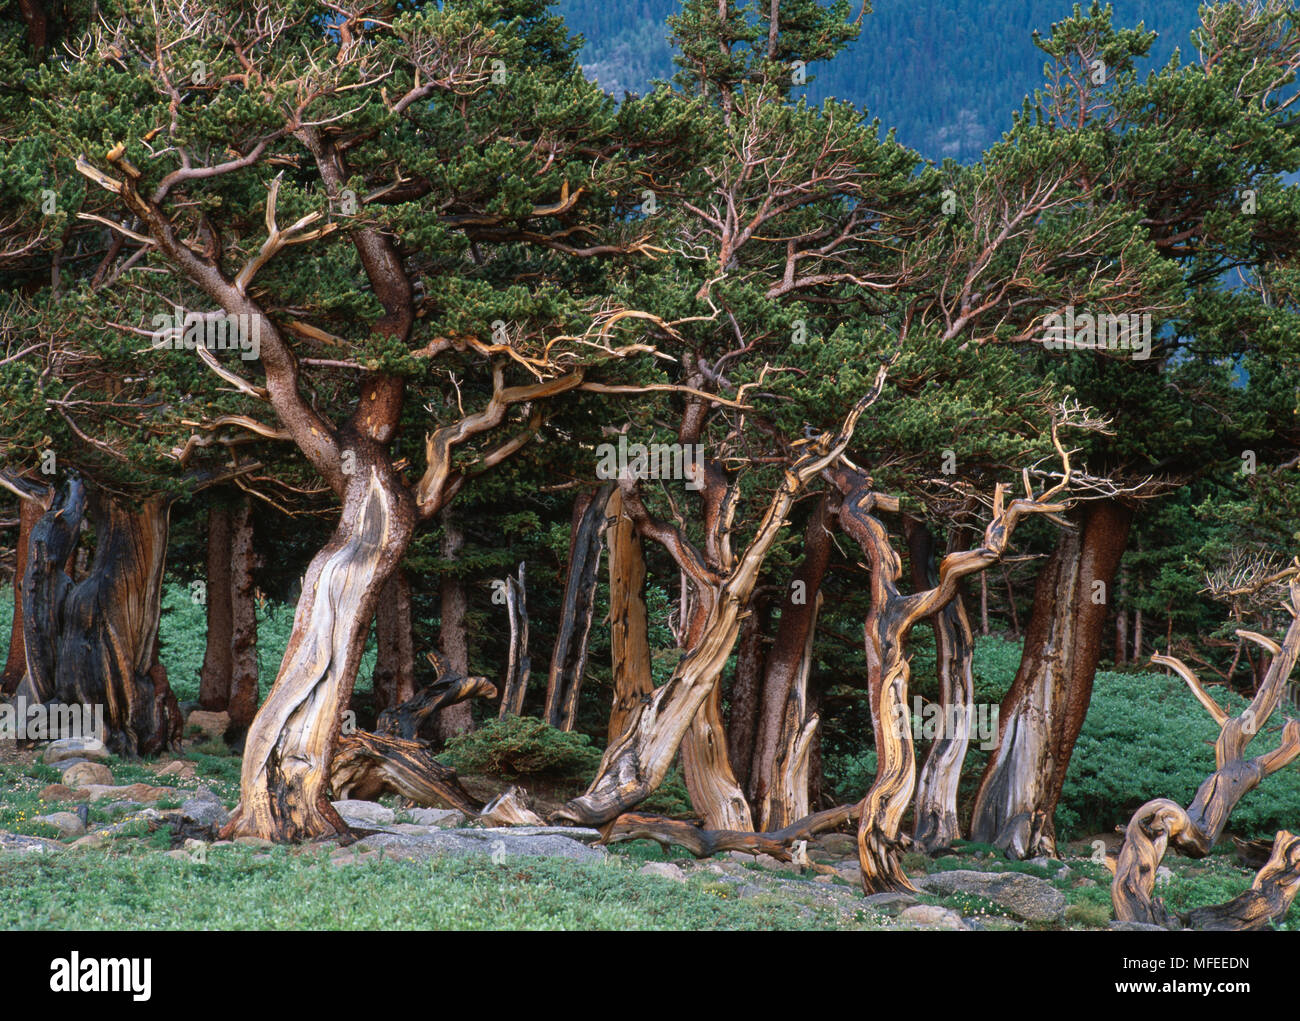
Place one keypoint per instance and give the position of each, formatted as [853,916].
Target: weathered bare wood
[889,620]
[569,657]
[935,825]
[1269,898]
[367,765]
[1194,831]
[417,717]
[636,764]
[783,714]
[518,665]
[285,775]
[704,843]
[244,689]
[510,808]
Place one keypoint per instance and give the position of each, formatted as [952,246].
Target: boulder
[443,818]
[890,903]
[366,815]
[662,870]
[76,748]
[1034,900]
[489,843]
[932,916]
[85,773]
[68,824]
[206,809]
[16,843]
[841,844]
[140,792]
[210,724]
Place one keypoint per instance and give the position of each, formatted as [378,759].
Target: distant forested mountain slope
[946,73]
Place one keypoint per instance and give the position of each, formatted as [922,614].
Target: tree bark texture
[94,642]
[569,657]
[629,641]
[29,512]
[1041,716]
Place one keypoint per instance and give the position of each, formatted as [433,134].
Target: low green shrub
[522,746]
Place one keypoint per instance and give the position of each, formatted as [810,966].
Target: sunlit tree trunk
[629,642]
[284,781]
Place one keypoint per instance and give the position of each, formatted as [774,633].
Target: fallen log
[367,765]
[704,843]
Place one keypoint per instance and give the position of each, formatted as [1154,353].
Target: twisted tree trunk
[569,657]
[94,643]
[285,778]
[634,765]
[889,621]
[1041,716]
[1194,831]
[934,816]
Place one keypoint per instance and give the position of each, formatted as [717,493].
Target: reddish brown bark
[747,688]
[785,660]
[453,639]
[629,642]
[243,615]
[29,512]
[214,676]
[394,677]
[569,657]
[1041,716]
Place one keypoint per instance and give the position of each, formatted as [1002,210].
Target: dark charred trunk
[569,658]
[94,643]
[1040,718]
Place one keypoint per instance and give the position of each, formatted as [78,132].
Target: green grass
[240,888]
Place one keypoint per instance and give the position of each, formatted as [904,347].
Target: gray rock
[1034,900]
[76,748]
[16,843]
[364,814]
[662,869]
[1163,875]
[767,861]
[839,843]
[68,824]
[445,818]
[206,809]
[504,841]
[934,917]
[579,833]
[890,903]
[1119,926]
